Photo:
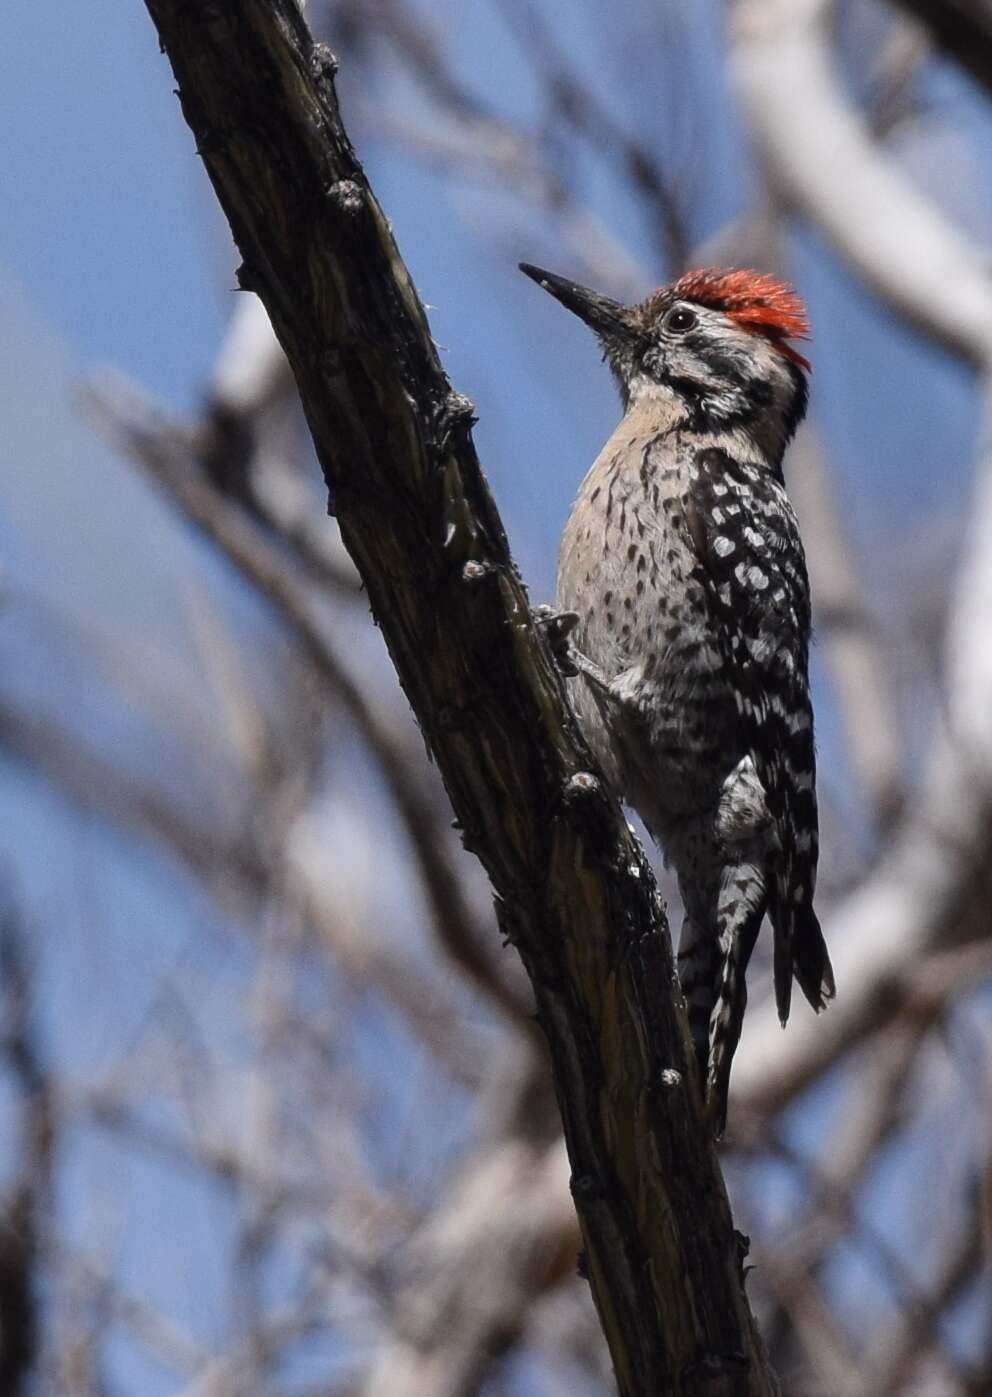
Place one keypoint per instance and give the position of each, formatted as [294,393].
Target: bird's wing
[753,568]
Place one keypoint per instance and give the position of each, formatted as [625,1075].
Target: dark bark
[32,1147]
[573,891]
[963,29]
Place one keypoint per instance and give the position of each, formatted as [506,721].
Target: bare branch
[227,865]
[963,28]
[576,895]
[897,1351]
[506,1233]
[822,161]
[578,108]
[250,381]
[160,1335]
[23,1205]
[239,875]
[851,638]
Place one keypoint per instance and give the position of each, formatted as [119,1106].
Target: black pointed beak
[601,314]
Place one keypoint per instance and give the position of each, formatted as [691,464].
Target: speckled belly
[669,736]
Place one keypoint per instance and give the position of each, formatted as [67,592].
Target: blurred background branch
[963,28]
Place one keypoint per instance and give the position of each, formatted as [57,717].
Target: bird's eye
[680,320]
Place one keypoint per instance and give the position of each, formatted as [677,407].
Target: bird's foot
[557,627]
[593,674]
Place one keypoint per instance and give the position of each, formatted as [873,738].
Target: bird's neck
[743,428]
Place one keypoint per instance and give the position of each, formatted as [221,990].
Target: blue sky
[107,221]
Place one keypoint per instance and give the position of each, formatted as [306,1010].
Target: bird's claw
[557,627]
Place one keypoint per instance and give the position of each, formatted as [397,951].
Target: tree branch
[962,28]
[25,1198]
[504,1236]
[574,892]
[850,633]
[806,131]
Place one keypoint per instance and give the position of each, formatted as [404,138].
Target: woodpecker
[683,611]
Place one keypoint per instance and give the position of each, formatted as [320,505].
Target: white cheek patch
[644,389]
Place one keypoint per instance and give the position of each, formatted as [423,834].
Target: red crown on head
[755,300]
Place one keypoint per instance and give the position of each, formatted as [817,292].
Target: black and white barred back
[752,565]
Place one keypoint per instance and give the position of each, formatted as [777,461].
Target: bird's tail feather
[727,1020]
[713,975]
[698,974]
[800,951]
[810,959]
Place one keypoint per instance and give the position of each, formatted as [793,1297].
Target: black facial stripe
[705,415]
[757,393]
[726,366]
[758,390]
[800,400]
[690,388]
